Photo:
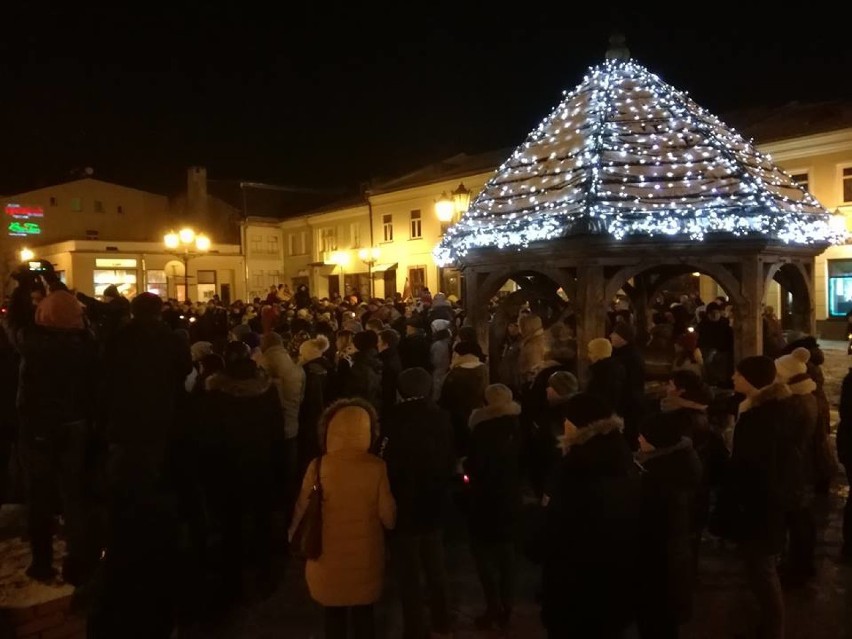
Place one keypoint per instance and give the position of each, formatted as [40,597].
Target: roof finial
[617,47]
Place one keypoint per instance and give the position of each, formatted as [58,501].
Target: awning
[381,268]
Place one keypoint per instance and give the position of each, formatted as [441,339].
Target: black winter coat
[391,368]
[607,379]
[669,486]
[492,465]
[415,350]
[844,428]
[240,436]
[462,392]
[364,378]
[766,469]
[318,395]
[417,446]
[590,541]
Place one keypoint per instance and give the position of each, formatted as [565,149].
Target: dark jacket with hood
[492,465]
[417,446]
[391,368]
[364,378]
[670,482]
[766,470]
[240,431]
[588,574]
[607,381]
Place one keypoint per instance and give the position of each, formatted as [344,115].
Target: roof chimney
[617,47]
[196,189]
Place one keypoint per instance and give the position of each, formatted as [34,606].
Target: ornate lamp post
[186,243]
[370,256]
[449,209]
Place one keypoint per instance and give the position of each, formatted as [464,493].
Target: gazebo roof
[626,154]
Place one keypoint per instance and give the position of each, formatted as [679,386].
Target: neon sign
[24,212]
[23,229]
[22,216]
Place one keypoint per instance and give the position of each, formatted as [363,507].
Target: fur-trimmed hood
[601,427]
[479,415]
[772,393]
[466,361]
[251,387]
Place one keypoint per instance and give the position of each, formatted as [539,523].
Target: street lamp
[186,243]
[461,199]
[26,255]
[445,208]
[369,256]
[340,259]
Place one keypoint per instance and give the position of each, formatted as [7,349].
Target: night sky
[322,96]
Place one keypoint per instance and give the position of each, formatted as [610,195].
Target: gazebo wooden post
[476,310]
[591,316]
[748,324]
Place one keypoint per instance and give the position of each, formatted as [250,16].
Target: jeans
[339,620]
[411,556]
[495,564]
[55,457]
[762,575]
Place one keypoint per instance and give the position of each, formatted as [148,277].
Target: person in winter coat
[414,347]
[319,384]
[532,346]
[241,438]
[606,375]
[417,446]
[511,351]
[765,476]
[364,377]
[632,405]
[824,465]
[357,506]
[792,370]
[589,581]
[440,354]
[56,406]
[495,501]
[441,308]
[391,366]
[288,378]
[844,454]
[107,316]
[670,481]
[463,391]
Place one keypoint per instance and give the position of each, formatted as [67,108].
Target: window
[328,239]
[387,227]
[91,234]
[52,201]
[416,225]
[847,184]
[297,243]
[119,209]
[801,179]
[273,278]
[76,204]
[125,280]
[99,206]
[255,243]
[272,244]
[206,285]
[291,244]
[355,232]
[157,283]
[839,287]
[303,243]
[257,280]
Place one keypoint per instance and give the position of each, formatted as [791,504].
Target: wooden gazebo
[626,184]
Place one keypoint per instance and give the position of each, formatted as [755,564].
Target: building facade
[89,266]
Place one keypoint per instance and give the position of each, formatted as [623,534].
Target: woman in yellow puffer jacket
[357,506]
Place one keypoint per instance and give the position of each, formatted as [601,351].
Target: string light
[626,154]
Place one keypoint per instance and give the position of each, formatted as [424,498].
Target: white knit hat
[795,363]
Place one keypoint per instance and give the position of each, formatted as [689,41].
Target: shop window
[157,283]
[124,280]
[206,285]
[839,287]
[417,280]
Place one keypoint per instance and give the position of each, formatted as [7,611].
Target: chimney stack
[196,191]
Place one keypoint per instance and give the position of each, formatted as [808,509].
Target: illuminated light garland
[626,154]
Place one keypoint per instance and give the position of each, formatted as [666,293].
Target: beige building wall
[264,252]
[822,158]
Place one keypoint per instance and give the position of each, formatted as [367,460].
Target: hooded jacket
[357,506]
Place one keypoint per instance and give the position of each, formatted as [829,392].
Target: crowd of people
[182,442]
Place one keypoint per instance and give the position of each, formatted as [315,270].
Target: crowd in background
[180,441]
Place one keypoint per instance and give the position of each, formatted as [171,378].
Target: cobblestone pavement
[723,606]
